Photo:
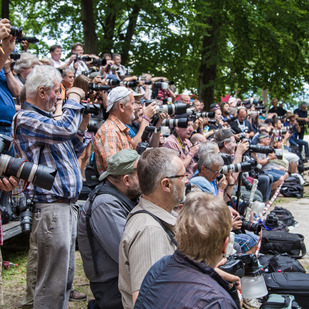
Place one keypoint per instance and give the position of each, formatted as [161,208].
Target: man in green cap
[101,225]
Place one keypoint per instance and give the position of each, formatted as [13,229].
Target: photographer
[113,134]
[296,130]
[68,77]
[24,66]
[233,153]
[179,140]
[41,139]
[218,118]
[8,84]
[188,278]
[79,65]
[276,171]
[242,124]
[209,167]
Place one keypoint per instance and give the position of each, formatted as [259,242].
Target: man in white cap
[113,134]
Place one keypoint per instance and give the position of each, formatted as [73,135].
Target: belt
[65,200]
[5,124]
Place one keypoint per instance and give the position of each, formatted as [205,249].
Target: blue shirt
[176,282]
[42,140]
[7,104]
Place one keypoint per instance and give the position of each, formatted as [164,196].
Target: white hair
[41,76]
[25,62]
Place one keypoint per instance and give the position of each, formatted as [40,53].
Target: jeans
[264,185]
[300,143]
[53,235]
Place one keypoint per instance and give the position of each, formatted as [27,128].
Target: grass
[15,250]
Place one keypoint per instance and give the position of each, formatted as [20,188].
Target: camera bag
[281,263]
[292,187]
[278,242]
[280,301]
[296,284]
[284,215]
[284,263]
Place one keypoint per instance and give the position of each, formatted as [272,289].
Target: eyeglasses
[215,172]
[184,176]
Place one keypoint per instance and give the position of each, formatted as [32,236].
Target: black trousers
[106,294]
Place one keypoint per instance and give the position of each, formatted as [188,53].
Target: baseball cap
[93,75]
[116,95]
[120,163]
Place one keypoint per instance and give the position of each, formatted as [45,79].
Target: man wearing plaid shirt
[56,143]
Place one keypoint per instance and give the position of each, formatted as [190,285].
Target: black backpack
[284,215]
[278,242]
[292,188]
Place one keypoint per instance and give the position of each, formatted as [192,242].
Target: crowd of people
[156,228]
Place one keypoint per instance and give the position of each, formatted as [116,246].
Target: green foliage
[252,45]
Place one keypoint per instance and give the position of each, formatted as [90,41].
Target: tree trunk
[130,32]
[5,9]
[90,37]
[208,66]
[109,27]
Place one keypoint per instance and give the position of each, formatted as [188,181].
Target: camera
[271,221]
[172,109]
[143,145]
[239,167]
[82,58]
[202,114]
[241,136]
[98,62]
[255,113]
[163,85]
[17,32]
[252,101]
[212,121]
[24,210]
[40,175]
[114,67]
[30,39]
[248,185]
[130,84]
[15,56]
[250,226]
[172,123]
[261,149]
[282,131]
[112,82]
[96,87]
[91,108]
[234,266]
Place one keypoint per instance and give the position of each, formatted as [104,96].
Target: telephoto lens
[40,175]
[172,123]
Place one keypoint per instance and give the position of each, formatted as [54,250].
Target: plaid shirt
[41,139]
[111,137]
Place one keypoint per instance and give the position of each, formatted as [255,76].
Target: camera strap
[168,231]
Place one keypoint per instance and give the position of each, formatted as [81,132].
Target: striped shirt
[41,139]
[111,137]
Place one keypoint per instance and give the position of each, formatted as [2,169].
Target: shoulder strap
[166,229]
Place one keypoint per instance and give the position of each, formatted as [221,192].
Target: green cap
[120,163]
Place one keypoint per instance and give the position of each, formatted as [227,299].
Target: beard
[135,191]
[179,197]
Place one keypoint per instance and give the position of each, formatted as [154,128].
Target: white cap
[231,100]
[116,95]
